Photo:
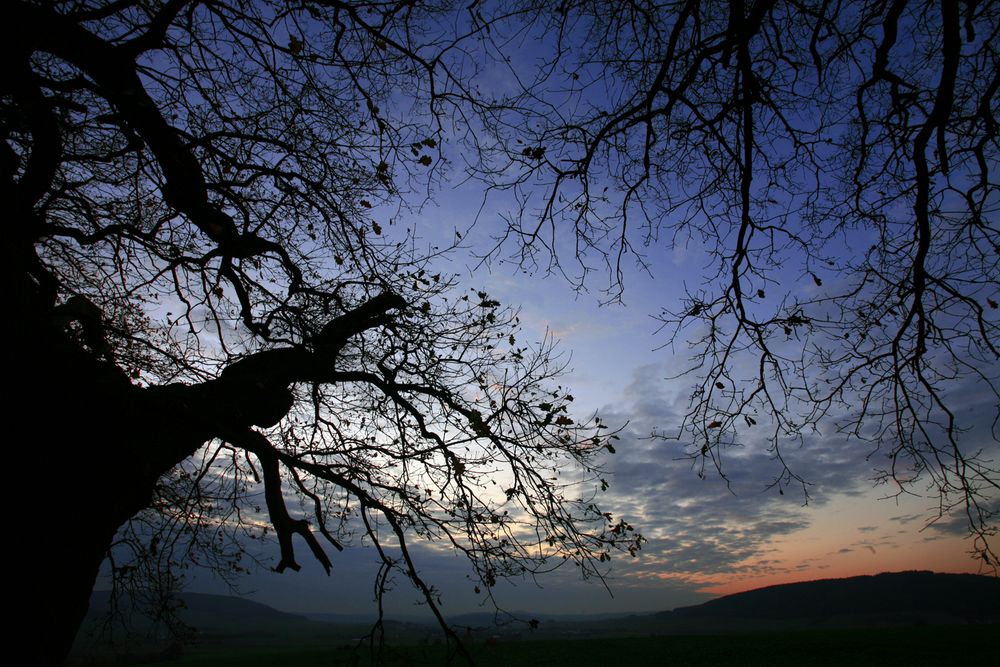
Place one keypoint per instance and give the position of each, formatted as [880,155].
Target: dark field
[915,618]
[921,645]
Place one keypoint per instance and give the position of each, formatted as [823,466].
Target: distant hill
[211,606]
[962,595]
[216,622]
[884,600]
[898,598]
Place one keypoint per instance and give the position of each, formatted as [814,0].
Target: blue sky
[704,538]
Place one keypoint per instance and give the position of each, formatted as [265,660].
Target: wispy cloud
[702,529]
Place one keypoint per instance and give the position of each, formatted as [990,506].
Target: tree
[208,316]
[847,146]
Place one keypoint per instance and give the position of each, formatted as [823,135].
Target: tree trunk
[91,450]
[93,445]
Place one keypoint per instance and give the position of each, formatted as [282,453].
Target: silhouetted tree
[207,322]
[834,161]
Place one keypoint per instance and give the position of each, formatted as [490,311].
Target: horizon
[401,616]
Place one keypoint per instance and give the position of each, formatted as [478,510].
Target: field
[922,645]
[890,619]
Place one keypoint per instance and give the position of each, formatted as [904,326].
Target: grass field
[972,645]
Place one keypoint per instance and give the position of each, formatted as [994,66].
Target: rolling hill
[964,597]
[881,601]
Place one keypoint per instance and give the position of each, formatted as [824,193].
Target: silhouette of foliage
[833,163]
[229,331]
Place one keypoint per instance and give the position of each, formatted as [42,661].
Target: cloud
[958,523]
[904,519]
[700,531]
[701,527]
[709,529]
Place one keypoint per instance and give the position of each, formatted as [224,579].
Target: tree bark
[91,449]
[94,445]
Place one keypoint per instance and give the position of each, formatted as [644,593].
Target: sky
[704,537]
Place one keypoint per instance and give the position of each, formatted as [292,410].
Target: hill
[881,601]
[885,600]
[211,607]
[966,597]
[215,623]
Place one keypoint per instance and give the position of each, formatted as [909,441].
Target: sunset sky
[704,539]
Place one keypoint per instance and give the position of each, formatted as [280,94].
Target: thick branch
[114,71]
[158,26]
[284,525]
[46,148]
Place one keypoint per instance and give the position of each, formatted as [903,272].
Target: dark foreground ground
[907,618]
[974,645]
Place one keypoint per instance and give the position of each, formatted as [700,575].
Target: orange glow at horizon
[848,536]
